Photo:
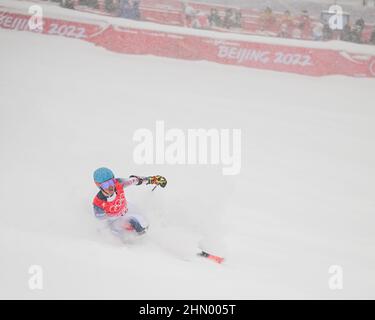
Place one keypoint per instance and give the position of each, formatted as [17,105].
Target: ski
[212,257]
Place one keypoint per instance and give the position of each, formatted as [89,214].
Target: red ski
[212,257]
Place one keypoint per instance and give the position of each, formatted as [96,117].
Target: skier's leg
[137,222]
[119,226]
[128,223]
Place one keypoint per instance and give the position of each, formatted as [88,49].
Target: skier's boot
[137,227]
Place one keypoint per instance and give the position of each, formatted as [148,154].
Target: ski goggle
[107,184]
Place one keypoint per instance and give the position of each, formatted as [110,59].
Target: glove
[157,180]
[140,179]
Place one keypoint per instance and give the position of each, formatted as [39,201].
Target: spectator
[200,21]
[266,19]
[69,4]
[238,18]
[93,4]
[318,31]
[346,33]
[189,14]
[286,17]
[125,8]
[214,18]
[112,6]
[304,24]
[357,31]
[229,19]
[360,24]
[130,10]
[327,32]
[136,11]
[297,33]
[284,32]
[286,23]
[372,39]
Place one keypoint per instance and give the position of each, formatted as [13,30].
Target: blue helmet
[103,174]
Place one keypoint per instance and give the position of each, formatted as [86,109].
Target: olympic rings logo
[118,205]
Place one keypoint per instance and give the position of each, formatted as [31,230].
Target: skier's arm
[138,180]
[133,180]
[99,212]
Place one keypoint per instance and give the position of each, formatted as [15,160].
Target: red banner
[51,26]
[307,61]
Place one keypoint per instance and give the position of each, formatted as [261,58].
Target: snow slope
[304,199]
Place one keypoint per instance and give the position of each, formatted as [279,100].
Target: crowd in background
[304,27]
[231,18]
[123,8]
[285,25]
[128,9]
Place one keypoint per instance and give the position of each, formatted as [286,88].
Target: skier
[110,203]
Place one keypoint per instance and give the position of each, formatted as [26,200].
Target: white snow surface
[304,199]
